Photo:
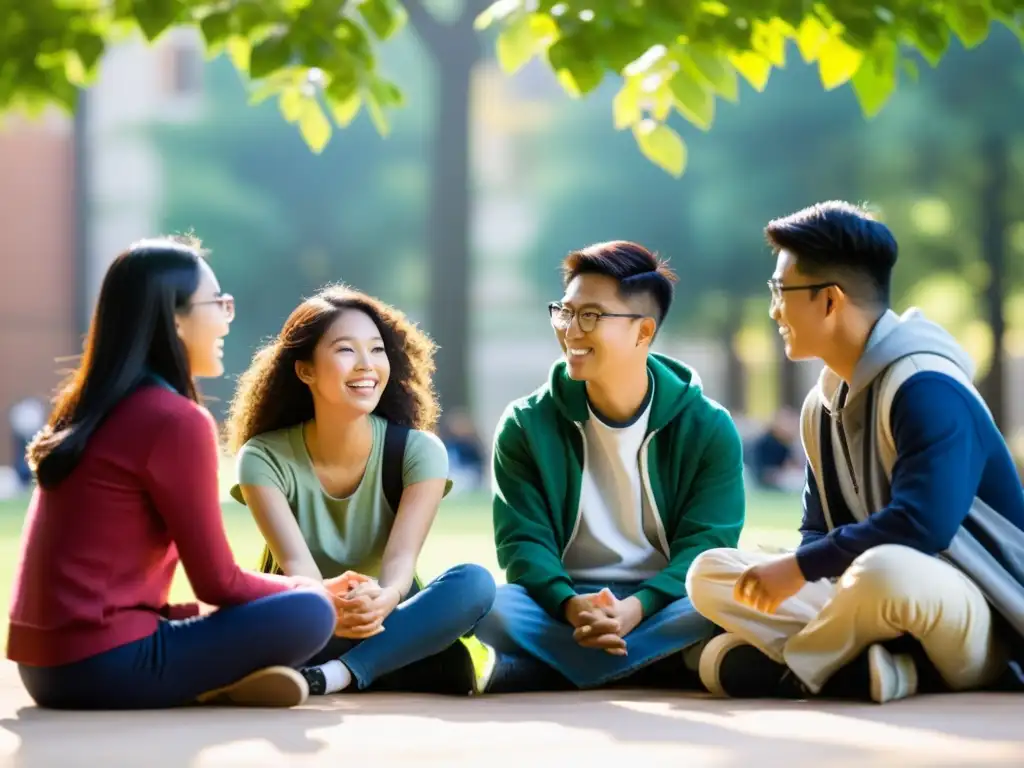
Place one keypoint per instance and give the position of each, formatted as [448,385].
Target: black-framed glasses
[561,317]
[777,288]
[225,301]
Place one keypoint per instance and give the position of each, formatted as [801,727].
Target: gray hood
[894,337]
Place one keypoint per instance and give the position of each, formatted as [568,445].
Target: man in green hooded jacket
[608,481]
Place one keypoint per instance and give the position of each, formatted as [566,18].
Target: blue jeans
[426,623]
[516,624]
[186,658]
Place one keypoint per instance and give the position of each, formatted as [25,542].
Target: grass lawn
[462,533]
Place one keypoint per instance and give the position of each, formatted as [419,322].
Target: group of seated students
[618,503]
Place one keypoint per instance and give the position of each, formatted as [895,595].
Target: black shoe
[451,672]
[315,680]
[731,667]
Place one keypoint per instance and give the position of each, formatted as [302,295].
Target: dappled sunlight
[905,745]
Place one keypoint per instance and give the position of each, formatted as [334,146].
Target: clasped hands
[361,603]
[602,621]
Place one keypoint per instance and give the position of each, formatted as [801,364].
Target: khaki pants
[888,591]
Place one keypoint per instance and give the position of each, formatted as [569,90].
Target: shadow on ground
[528,730]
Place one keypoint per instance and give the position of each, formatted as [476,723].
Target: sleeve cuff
[553,597]
[651,601]
[821,559]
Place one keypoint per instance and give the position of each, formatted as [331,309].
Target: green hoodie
[692,466]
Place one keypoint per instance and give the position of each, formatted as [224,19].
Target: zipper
[645,477]
[844,392]
[579,504]
[846,453]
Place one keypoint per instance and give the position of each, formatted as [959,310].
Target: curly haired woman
[314,422]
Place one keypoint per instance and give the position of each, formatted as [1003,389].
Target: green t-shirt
[342,534]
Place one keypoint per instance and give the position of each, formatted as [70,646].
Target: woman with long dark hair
[127,484]
[341,471]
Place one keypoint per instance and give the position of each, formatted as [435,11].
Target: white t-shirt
[613,540]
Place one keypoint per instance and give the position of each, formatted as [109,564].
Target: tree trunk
[455,49]
[735,371]
[993,246]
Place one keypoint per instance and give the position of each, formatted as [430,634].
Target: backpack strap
[395,438]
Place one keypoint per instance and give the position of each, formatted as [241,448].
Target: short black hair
[842,241]
[638,271]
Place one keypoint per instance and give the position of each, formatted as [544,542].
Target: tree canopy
[318,58]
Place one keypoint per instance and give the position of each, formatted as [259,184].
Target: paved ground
[616,729]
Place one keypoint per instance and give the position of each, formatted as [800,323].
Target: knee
[475,589]
[708,568]
[313,616]
[494,627]
[882,572]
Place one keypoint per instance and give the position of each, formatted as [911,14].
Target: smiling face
[604,346]
[350,367]
[204,325]
[805,317]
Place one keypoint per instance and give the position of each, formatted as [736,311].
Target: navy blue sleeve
[939,462]
[813,525]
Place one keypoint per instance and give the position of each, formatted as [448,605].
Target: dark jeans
[428,622]
[184,659]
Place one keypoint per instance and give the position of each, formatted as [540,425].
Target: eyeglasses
[561,317]
[777,288]
[225,301]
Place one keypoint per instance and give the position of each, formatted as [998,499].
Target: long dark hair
[132,336]
[270,395]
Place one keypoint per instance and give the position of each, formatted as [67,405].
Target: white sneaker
[269,687]
[893,677]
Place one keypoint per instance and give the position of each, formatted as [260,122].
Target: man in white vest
[913,511]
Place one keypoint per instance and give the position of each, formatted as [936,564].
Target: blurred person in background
[465,451]
[343,475]
[773,455]
[127,469]
[910,572]
[609,480]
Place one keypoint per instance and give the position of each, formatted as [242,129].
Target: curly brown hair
[270,395]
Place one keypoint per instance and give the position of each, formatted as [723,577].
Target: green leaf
[754,67]
[932,36]
[89,48]
[577,74]
[377,116]
[909,66]
[383,17]
[344,84]
[498,11]
[314,126]
[875,80]
[626,106]
[344,112]
[291,102]
[661,145]
[522,38]
[969,20]
[386,93]
[239,51]
[269,55]
[216,27]
[769,41]
[837,62]
[810,37]
[693,100]
[155,16]
[715,69]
